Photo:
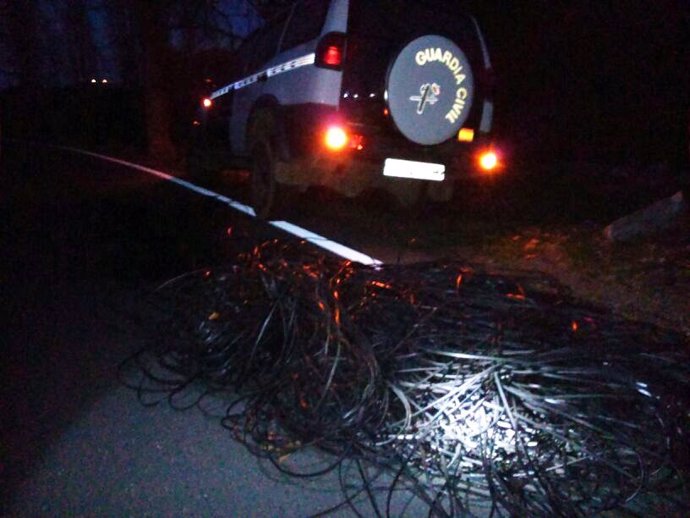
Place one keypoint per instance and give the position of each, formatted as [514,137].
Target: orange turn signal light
[466,135]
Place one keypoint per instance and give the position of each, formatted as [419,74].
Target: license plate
[415,170]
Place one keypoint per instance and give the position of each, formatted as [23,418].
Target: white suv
[353,95]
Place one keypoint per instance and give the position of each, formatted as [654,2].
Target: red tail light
[336,138]
[333,56]
[489,161]
[330,52]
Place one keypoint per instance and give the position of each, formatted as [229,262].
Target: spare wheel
[430,89]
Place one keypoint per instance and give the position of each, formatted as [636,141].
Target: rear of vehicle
[416,91]
[413,112]
[357,95]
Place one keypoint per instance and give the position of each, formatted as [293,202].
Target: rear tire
[198,167]
[263,178]
[268,197]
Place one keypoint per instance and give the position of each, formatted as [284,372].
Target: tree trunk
[24,42]
[157,57]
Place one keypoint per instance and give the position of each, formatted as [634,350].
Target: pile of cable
[475,392]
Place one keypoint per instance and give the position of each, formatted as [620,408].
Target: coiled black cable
[472,391]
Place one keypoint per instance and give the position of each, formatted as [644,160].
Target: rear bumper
[351,175]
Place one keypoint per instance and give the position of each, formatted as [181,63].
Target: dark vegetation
[154,56]
[593,80]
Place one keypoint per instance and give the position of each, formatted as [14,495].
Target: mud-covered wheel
[264,139]
[263,178]
[197,161]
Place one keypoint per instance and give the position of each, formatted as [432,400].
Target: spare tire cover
[430,89]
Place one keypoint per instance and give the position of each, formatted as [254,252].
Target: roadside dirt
[554,229]
[647,279]
[559,230]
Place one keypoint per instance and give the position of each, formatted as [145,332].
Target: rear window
[306,22]
[378,29]
[400,21]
